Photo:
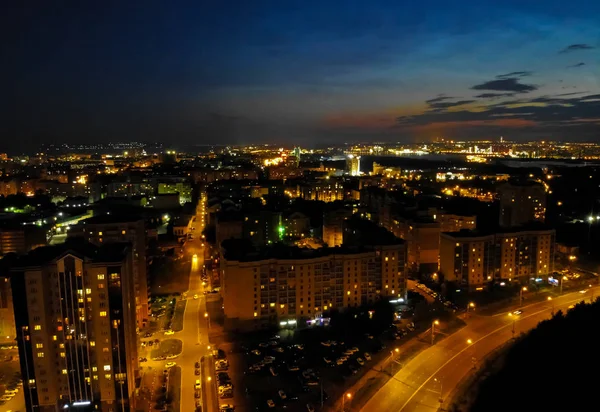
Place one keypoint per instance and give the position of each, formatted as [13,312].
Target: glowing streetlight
[469,341]
[433,325]
[523,289]
[347,395]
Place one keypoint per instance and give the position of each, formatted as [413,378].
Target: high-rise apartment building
[333,226]
[287,285]
[76,327]
[473,259]
[521,203]
[353,165]
[104,229]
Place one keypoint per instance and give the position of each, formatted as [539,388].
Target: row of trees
[552,368]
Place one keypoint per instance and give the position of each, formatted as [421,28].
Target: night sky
[298,72]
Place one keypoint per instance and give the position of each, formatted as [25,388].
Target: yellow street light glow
[469,341]
[436,322]
[397,350]
[348,395]
[525,288]
[472,304]
[549,297]
[206,314]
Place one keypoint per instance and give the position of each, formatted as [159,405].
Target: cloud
[505,85]
[575,47]
[514,74]
[576,65]
[493,95]
[542,111]
[439,98]
[441,105]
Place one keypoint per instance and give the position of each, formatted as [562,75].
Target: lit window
[123,232]
[103,314]
[94,369]
[272,304]
[99,233]
[40,354]
[31,381]
[92,343]
[106,367]
[39,345]
[62,346]
[54,337]
[88,290]
[64,371]
[37,327]
[255,314]
[108,376]
[100,277]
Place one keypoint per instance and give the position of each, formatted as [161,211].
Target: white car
[195,296]
[197,385]
[170,364]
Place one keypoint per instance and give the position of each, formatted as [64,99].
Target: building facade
[267,290]
[100,230]
[475,260]
[76,328]
[521,203]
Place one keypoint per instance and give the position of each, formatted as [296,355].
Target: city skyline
[303,72]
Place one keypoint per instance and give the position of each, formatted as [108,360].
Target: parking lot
[289,374]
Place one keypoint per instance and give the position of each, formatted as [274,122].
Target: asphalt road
[195,327]
[424,383]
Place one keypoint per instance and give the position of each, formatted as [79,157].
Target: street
[424,382]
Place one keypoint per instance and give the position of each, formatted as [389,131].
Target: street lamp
[470,306]
[433,324]
[523,289]
[469,341]
[550,300]
[208,318]
[561,283]
[347,395]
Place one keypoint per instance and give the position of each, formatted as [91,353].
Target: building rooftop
[366,232]
[112,218]
[531,227]
[242,250]
[108,253]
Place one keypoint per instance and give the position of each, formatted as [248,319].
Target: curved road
[425,381]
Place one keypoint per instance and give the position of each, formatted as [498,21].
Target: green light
[281,229]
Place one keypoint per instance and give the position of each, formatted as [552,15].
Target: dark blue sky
[299,72]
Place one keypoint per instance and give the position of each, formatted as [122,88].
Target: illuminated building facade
[76,327]
[474,260]
[353,165]
[521,203]
[105,229]
[293,286]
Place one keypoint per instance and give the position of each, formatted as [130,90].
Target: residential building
[104,229]
[353,165]
[515,254]
[521,203]
[300,285]
[451,222]
[292,286]
[76,327]
[333,226]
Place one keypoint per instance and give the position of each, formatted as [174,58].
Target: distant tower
[297,153]
[353,165]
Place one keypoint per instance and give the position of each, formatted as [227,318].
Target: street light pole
[524,288]
[550,300]
[435,322]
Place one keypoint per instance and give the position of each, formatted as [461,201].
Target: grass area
[167,347]
[177,322]
[174,394]
[169,276]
